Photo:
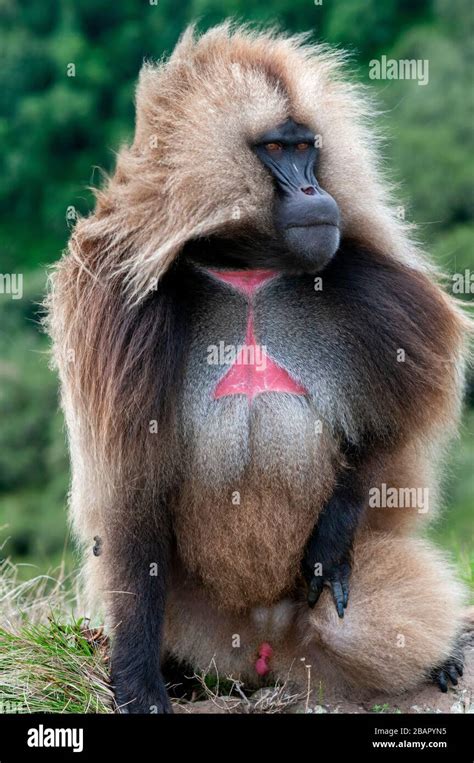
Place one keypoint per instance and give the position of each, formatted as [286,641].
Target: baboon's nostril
[310,190]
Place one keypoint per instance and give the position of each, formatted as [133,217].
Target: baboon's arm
[138,566]
[327,556]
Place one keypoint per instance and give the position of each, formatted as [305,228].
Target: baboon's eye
[273,147]
[302,146]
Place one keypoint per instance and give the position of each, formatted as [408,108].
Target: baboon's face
[306,216]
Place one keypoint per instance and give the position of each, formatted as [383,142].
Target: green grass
[385,708]
[53,668]
[50,660]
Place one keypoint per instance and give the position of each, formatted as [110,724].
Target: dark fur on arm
[328,553]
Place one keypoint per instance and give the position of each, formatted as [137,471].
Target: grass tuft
[53,668]
[50,660]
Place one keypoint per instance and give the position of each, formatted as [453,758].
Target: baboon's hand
[336,575]
[327,558]
[141,696]
[449,671]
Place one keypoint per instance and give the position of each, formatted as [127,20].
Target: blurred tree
[56,128]
[296,16]
[370,26]
[433,145]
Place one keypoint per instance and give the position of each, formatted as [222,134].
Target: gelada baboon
[251,350]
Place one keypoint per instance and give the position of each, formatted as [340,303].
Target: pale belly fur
[258,477]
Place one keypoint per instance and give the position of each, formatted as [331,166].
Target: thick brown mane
[190,171]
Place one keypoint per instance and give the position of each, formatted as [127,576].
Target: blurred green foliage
[57,130]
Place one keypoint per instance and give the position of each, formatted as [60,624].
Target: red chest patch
[247,376]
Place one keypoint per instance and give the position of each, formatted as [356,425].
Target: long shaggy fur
[196,114]
[124,324]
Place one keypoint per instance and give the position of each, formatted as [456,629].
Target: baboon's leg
[402,620]
[403,617]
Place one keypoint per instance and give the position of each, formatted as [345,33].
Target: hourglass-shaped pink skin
[245,378]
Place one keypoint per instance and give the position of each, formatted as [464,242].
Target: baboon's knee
[403,616]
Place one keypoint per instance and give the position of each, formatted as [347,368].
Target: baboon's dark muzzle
[309,221]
